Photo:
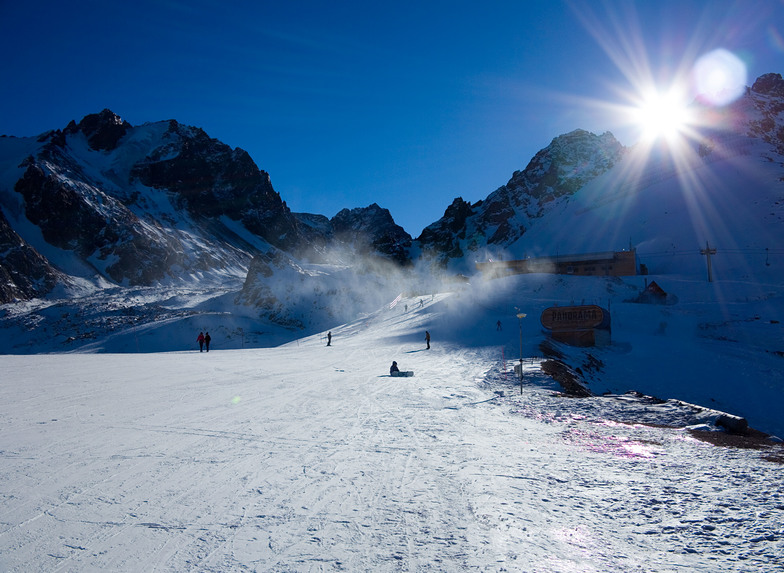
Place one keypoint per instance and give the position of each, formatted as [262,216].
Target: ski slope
[312,458]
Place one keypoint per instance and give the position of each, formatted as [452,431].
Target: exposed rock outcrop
[24,273]
[372,231]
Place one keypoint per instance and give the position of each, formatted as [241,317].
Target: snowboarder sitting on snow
[200,340]
[393,368]
[207,339]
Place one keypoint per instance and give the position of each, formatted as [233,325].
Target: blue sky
[405,104]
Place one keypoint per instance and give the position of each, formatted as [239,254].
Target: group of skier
[204,340]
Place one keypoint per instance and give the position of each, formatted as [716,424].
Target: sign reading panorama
[575,317]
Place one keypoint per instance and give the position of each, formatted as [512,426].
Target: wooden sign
[559,318]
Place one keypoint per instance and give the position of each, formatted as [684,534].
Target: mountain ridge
[163,204]
[151,203]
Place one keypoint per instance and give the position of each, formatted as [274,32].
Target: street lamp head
[521,315]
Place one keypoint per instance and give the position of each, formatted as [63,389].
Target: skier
[498,325]
[207,339]
[329,338]
[427,339]
[200,340]
[393,368]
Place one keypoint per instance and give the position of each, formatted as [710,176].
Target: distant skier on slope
[200,340]
[207,339]
[329,338]
[427,339]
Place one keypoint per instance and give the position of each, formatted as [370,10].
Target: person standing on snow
[329,338]
[427,339]
[498,325]
[207,339]
[200,340]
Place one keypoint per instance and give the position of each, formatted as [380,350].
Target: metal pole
[520,317]
[707,251]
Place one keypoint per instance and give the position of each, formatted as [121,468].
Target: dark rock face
[444,236]
[769,84]
[103,130]
[559,170]
[58,210]
[210,180]
[767,101]
[371,230]
[96,226]
[24,274]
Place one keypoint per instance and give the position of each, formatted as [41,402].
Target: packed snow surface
[312,458]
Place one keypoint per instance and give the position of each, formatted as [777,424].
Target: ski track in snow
[308,458]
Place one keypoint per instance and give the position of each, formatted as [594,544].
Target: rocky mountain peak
[769,84]
[454,219]
[361,218]
[559,170]
[103,130]
[210,179]
[372,228]
[568,163]
[760,113]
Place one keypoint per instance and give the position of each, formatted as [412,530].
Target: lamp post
[520,317]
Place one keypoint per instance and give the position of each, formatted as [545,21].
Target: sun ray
[672,100]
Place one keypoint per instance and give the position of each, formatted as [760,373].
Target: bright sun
[661,116]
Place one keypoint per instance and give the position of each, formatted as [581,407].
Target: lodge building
[610,263]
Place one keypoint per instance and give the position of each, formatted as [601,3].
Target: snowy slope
[311,458]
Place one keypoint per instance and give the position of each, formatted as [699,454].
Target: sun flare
[661,115]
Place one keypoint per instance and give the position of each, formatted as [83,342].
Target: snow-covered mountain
[138,206]
[160,202]
[159,228]
[102,205]
[555,173]
[308,457]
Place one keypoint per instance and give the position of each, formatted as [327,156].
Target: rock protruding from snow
[762,111]
[24,273]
